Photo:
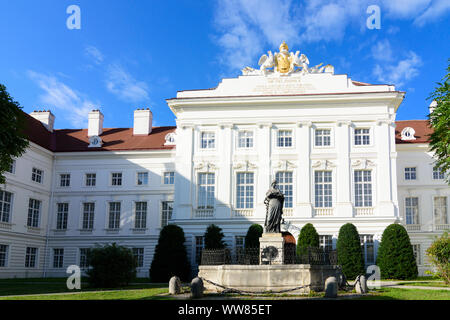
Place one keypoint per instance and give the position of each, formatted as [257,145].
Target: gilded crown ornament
[284,63]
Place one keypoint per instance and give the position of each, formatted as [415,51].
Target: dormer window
[170,139]
[408,134]
[95,142]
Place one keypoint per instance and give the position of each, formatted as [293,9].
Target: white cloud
[94,53]
[404,8]
[436,10]
[382,51]
[60,96]
[124,86]
[400,73]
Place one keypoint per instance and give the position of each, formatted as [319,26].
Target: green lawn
[407,294]
[425,284]
[9,287]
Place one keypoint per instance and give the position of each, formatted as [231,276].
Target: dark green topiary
[254,232]
[349,251]
[214,237]
[395,254]
[170,257]
[308,237]
[111,266]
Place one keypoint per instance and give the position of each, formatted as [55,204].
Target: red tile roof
[421,127]
[74,140]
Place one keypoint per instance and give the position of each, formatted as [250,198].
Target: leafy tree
[111,266]
[349,251]
[254,232]
[439,254]
[395,254]
[308,237]
[214,237]
[13,141]
[440,122]
[170,258]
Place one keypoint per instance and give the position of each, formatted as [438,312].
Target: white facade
[330,141]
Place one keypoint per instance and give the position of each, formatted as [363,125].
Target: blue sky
[135,53]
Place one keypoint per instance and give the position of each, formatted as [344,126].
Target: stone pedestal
[271,249]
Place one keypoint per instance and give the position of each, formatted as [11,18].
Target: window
[31,257]
[362,137]
[114,215]
[169,177]
[326,242]
[5,206]
[245,139]
[284,180]
[323,186]
[284,138]
[438,174]
[83,258]
[116,178]
[417,254]
[208,140]
[410,173]
[367,248]
[37,175]
[12,167]
[64,180]
[3,255]
[363,188]
[240,242]
[166,212]
[206,187]
[91,179]
[58,258]
[142,178]
[244,190]
[440,210]
[412,210]
[140,221]
[199,245]
[138,254]
[61,216]
[88,216]
[34,209]
[322,137]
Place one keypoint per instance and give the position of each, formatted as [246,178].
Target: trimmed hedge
[214,237]
[170,258]
[349,251]
[395,254]
[111,266]
[254,232]
[308,237]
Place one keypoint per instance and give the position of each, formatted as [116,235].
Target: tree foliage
[308,237]
[440,122]
[349,251]
[439,254]
[111,266]
[395,254]
[214,237]
[12,138]
[170,258]
[254,232]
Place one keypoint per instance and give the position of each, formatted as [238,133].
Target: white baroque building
[331,142]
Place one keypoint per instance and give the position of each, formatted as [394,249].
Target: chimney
[95,126]
[46,117]
[142,122]
[433,105]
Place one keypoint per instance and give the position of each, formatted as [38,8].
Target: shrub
[111,266]
[395,254]
[170,258]
[254,232]
[308,237]
[349,251]
[214,237]
[439,254]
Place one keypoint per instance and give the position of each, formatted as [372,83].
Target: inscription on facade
[283,86]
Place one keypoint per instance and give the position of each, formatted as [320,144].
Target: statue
[274,208]
[283,63]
